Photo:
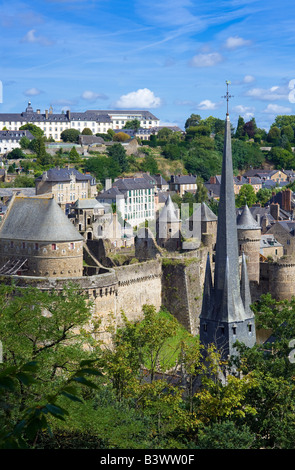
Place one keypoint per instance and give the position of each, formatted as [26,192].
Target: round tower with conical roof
[249,238]
[168,226]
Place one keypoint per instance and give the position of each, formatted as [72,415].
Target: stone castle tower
[168,226]
[249,236]
[38,239]
[226,316]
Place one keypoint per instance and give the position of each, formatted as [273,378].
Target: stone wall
[45,259]
[124,288]
[182,288]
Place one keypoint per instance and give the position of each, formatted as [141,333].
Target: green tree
[150,164]
[121,137]
[117,154]
[35,130]
[24,142]
[274,135]
[70,135]
[263,195]
[240,131]
[74,156]
[246,195]
[172,151]
[201,193]
[24,181]
[43,158]
[102,167]
[288,131]
[193,120]
[132,124]
[282,158]
[87,131]
[164,134]
[16,154]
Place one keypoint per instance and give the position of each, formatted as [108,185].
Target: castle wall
[278,279]
[124,288]
[182,288]
[45,259]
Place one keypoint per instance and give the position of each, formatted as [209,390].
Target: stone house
[270,247]
[284,231]
[182,184]
[66,185]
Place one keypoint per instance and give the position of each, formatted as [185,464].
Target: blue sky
[171,57]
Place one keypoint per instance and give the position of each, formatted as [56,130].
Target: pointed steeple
[208,291]
[245,288]
[227,240]
[227,317]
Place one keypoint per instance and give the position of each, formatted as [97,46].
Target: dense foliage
[151,389]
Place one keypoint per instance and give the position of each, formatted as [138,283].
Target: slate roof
[168,213]
[88,204]
[16,135]
[37,219]
[183,179]
[246,220]
[160,180]
[128,184]
[111,193]
[64,174]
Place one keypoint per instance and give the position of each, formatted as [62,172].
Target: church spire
[227,241]
[225,318]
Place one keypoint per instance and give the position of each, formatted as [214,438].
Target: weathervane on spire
[227,96]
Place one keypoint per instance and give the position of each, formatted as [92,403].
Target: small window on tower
[234,330]
[250,328]
[205,326]
[53,246]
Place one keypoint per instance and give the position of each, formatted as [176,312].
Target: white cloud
[240,108]
[270,94]
[33,92]
[276,109]
[206,105]
[31,37]
[92,96]
[143,98]
[235,41]
[206,60]
[248,79]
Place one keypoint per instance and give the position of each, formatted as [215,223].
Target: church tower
[226,316]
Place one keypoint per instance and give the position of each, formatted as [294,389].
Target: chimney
[172,178]
[239,177]
[108,183]
[249,180]
[274,210]
[46,113]
[38,111]
[68,113]
[212,180]
[286,200]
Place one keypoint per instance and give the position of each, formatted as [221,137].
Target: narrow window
[53,246]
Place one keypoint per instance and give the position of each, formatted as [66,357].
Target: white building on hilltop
[52,124]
